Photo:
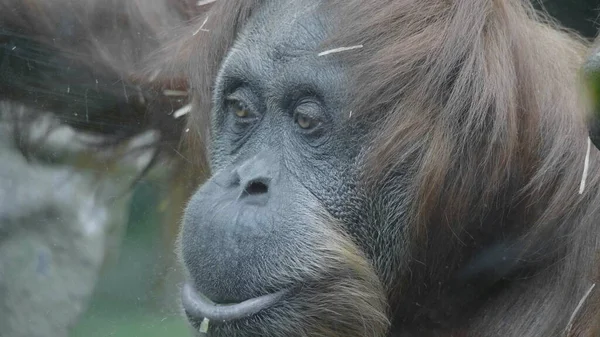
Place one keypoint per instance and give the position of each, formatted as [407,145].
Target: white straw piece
[578,308]
[202,26]
[182,111]
[204,325]
[339,50]
[204,2]
[175,93]
[152,77]
[586,166]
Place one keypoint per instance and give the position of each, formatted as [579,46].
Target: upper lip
[199,306]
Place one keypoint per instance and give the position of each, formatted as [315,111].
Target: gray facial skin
[284,153]
[273,70]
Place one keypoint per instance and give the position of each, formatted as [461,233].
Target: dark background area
[581,15]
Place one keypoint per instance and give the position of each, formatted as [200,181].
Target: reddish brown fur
[480,101]
[486,97]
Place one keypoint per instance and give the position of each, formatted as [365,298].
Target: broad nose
[255,178]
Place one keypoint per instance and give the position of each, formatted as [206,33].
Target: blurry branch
[43,137]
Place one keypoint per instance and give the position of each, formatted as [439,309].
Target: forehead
[278,49]
[284,29]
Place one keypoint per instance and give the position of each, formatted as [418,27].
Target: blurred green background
[138,292]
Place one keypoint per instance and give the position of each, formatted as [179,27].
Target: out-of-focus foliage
[138,294]
[78,247]
[595,89]
[592,72]
[58,225]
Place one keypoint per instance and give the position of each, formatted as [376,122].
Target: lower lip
[198,306]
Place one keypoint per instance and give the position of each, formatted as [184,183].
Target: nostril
[256,187]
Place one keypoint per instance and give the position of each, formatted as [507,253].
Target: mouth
[198,306]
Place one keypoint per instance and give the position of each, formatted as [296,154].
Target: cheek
[331,174]
[218,159]
[336,188]
[330,181]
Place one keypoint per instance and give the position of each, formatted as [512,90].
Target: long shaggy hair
[481,102]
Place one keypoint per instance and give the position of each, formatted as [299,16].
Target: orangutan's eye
[303,115]
[306,122]
[240,109]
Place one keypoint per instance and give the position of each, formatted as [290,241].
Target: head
[282,217]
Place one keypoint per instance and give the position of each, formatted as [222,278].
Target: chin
[336,308]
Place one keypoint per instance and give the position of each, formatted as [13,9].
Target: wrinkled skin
[282,210]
